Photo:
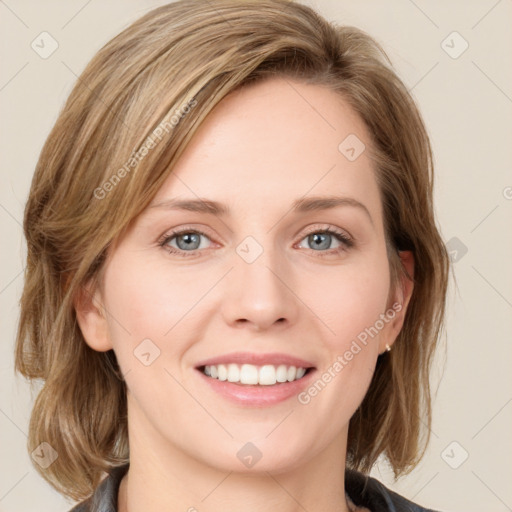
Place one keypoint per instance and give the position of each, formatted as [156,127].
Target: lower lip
[258,396]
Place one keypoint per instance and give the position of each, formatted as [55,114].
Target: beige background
[467,105]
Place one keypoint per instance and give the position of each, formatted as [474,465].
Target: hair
[127,120]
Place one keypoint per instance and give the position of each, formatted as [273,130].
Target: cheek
[145,300]
[352,308]
[351,300]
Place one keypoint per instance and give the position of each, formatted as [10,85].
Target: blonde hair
[128,119]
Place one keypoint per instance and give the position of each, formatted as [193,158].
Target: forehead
[273,142]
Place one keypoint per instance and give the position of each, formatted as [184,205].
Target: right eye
[184,242]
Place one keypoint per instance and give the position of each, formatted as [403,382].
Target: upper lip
[256,359]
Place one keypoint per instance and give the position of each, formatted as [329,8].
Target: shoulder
[368,492]
[104,498]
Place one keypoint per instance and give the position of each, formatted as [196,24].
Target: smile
[249,374]
[250,379]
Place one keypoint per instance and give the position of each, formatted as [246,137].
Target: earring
[388,348]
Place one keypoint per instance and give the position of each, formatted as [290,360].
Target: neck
[212,491]
[162,476]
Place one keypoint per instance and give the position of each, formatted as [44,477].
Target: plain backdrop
[455,58]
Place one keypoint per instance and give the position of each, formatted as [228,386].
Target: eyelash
[338,235]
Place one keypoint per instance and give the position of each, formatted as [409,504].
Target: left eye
[319,240]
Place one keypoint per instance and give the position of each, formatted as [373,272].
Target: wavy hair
[95,174]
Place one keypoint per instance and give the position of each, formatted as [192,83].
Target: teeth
[266,375]
[222,372]
[233,373]
[249,374]
[282,373]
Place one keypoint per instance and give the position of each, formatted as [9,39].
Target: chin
[258,456]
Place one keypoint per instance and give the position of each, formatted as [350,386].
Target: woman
[235,283]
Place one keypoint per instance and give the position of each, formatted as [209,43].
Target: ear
[399,301]
[91,317]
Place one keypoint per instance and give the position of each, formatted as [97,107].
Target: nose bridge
[257,291]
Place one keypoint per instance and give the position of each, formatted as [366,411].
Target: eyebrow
[302,205]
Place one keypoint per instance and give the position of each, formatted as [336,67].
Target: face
[282,297]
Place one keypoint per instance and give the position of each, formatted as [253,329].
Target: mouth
[253,375]
[256,380]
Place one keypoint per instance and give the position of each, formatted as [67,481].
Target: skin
[262,148]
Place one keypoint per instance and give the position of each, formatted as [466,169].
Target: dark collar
[368,492]
[363,490]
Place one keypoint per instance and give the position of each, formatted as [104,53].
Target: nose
[260,294]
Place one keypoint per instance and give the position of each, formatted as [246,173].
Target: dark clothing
[363,491]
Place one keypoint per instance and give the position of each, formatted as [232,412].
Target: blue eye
[322,239]
[187,242]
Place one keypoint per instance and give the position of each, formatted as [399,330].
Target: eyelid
[317,228]
[186,229]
